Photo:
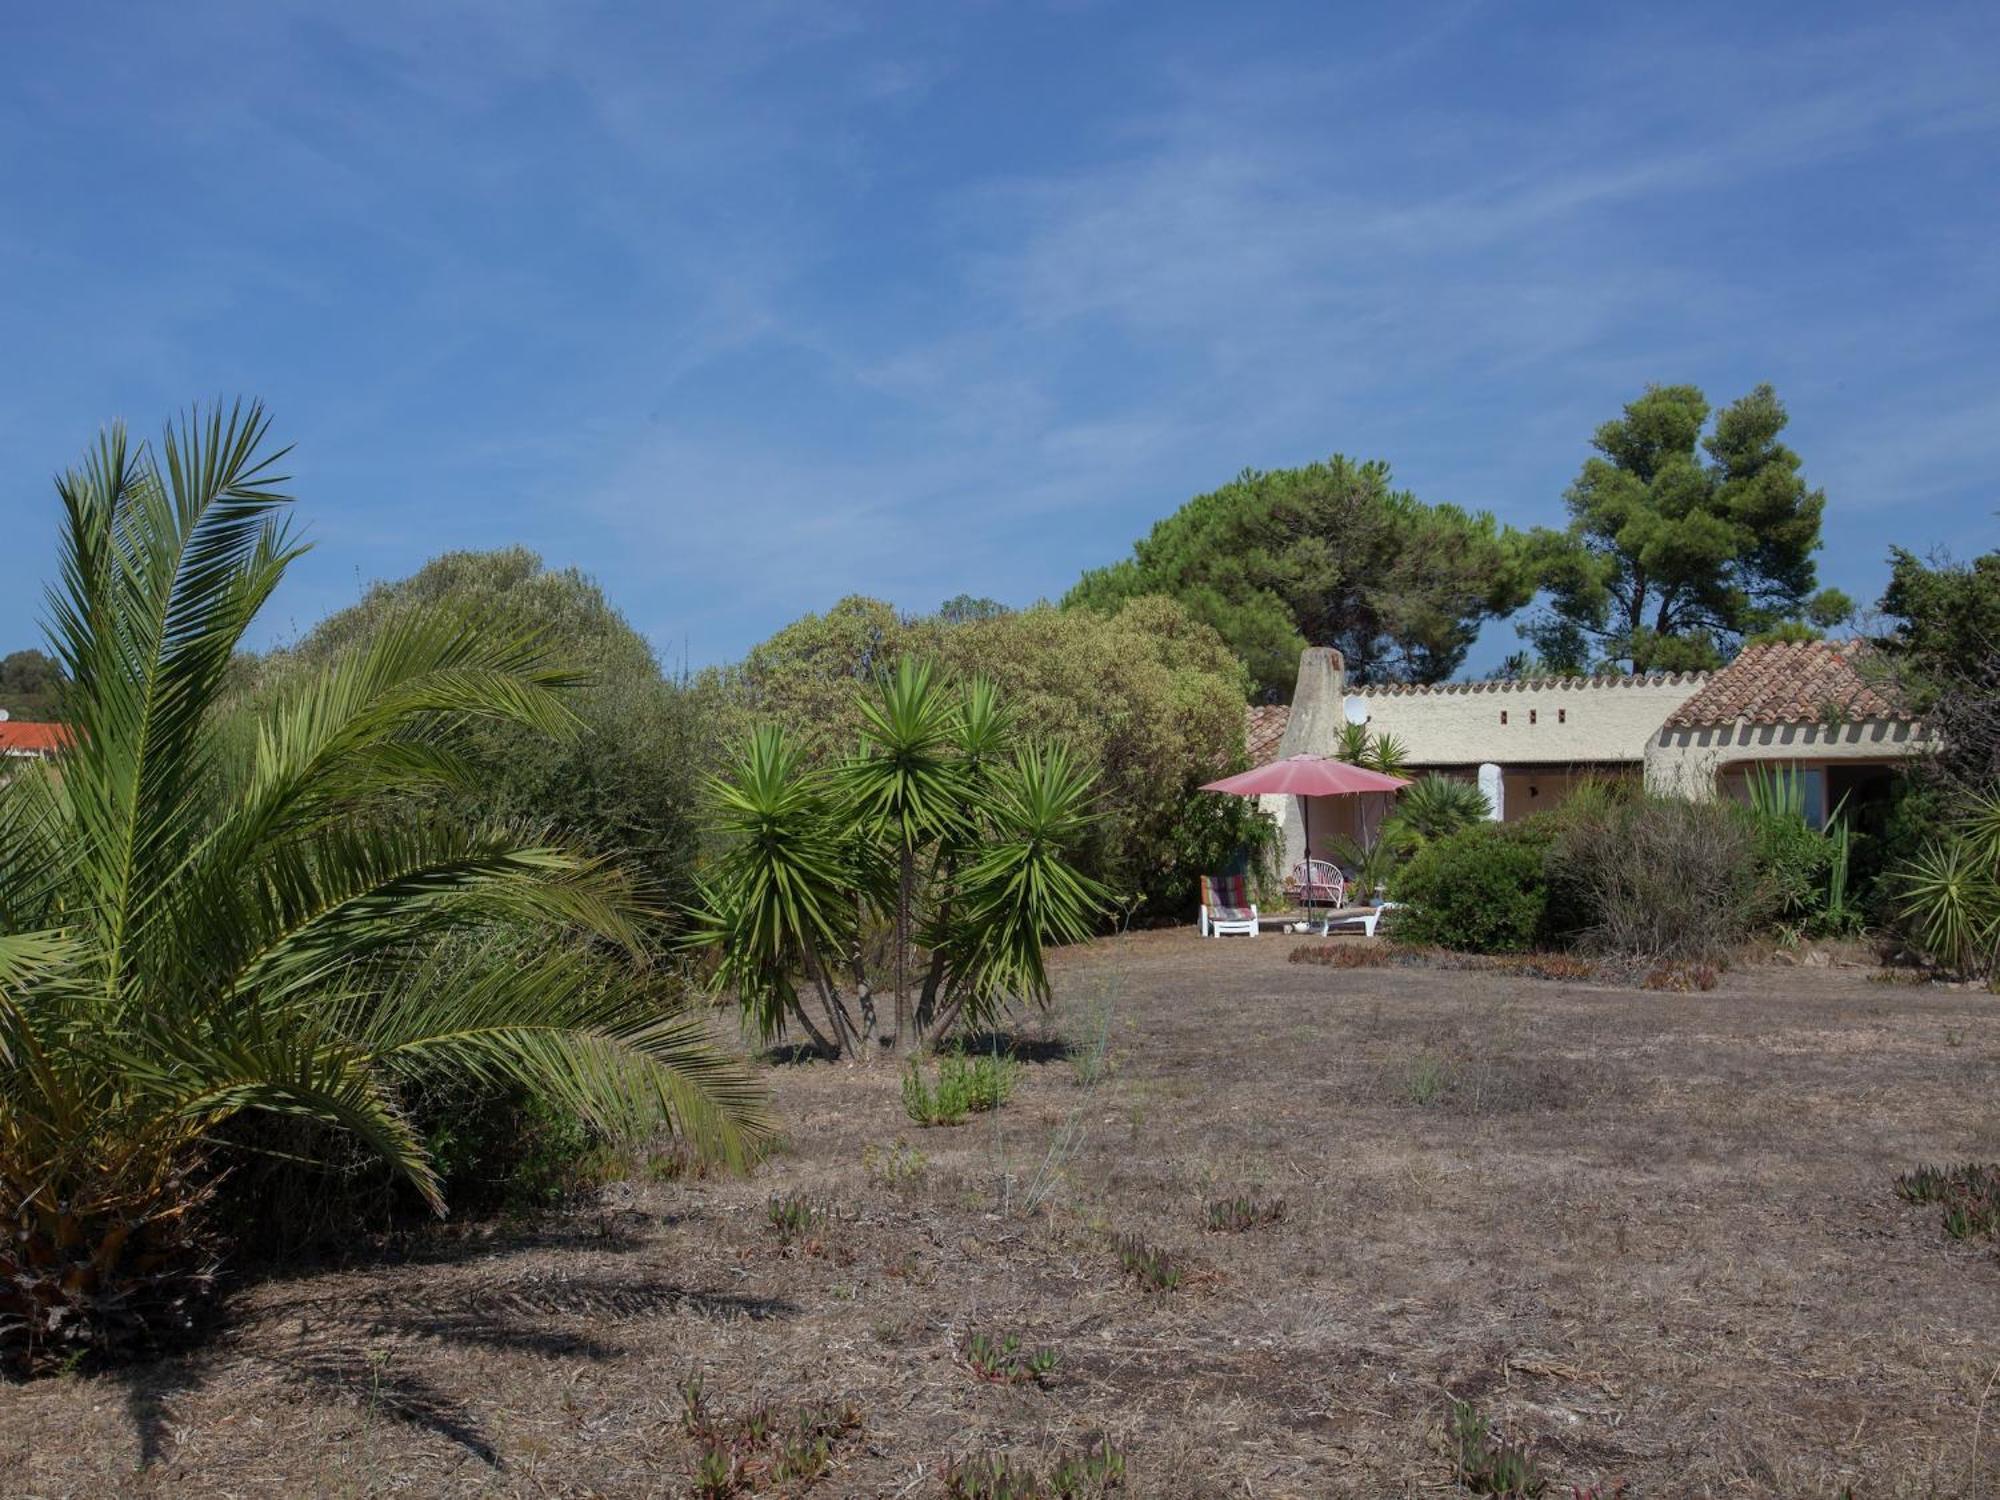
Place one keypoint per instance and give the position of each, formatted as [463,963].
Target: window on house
[1531,715]
[1503,716]
[1562,716]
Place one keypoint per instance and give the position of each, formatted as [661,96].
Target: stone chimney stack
[1318,711]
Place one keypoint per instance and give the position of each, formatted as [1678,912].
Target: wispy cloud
[747,307]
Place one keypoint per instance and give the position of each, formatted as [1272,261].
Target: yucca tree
[1950,891]
[983,739]
[1376,752]
[786,900]
[906,789]
[202,917]
[1433,807]
[809,854]
[1020,893]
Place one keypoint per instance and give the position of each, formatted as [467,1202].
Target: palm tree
[201,917]
[1376,752]
[808,854]
[906,788]
[1434,807]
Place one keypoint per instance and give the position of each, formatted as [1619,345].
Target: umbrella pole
[1306,822]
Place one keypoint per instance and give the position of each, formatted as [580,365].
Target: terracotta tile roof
[1791,682]
[1264,731]
[17,738]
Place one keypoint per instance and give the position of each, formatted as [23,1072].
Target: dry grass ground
[1654,1234]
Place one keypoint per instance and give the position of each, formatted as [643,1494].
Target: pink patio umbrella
[1305,776]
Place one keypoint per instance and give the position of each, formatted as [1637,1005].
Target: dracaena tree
[940,824]
[203,917]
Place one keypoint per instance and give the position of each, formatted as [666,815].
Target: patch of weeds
[797,1219]
[1484,1079]
[1487,1464]
[1005,1362]
[716,1475]
[1025,1199]
[1968,1197]
[677,1162]
[1954,1036]
[1615,1490]
[1681,977]
[764,1448]
[1154,1268]
[1095,1471]
[965,1085]
[1426,1079]
[1240,1214]
[899,1167]
[1099,1468]
[1343,955]
[1090,1058]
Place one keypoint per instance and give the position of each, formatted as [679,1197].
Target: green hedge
[1483,889]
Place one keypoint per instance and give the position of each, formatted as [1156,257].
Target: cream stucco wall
[1543,735]
[1560,722]
[1685,762]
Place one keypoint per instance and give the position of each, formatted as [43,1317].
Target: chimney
[1317,713]
[1313,728]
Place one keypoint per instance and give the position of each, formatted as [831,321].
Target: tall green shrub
[627,778]
[1149,702]
[1480,890]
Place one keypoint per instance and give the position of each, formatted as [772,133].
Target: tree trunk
[942,874]
[927,999]
[905,881]
[836,1013]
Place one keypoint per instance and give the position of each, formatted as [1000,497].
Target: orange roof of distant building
[1792,682]
[17,738]
[1264,731]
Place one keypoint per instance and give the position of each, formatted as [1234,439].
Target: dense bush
[627,782]
[31,685]
[1656,878]
[1793,857]
[1480,890]
[1149,701]
[1943,840]
[1627,877]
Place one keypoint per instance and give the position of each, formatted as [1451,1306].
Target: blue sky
[742,308]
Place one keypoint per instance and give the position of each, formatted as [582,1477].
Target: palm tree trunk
[943,870]
[950,1014]
[800,1014]
[906,881]
[836,1012]
[927,998]
[864,993]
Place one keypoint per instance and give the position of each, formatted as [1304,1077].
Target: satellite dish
[1355,708]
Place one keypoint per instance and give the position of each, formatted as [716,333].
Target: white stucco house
[1812,706]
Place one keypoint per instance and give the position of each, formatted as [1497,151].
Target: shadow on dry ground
[1652,1233]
